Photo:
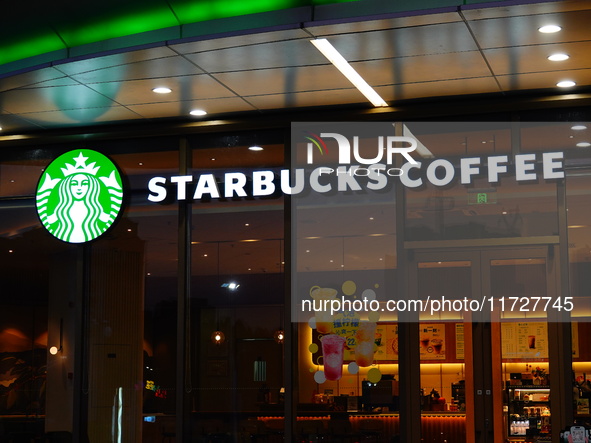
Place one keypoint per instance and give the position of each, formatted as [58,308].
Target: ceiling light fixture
[549,29]
[198,112]
[583,144]
[565,84]
[334,56]
[578,127]
[255,148]
[558,57]
[162,90]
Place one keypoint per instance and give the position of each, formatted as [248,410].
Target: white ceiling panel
[291,79]
[423,68]
[156,68]
[421,40]
[134,92]
[29,78]
[174,109]
[438,89]
[108,61]
[79,117]
[383,24]
[21,101]
[523,30]
[263,56]
[529,59]
[306,99]
[213,44]
[540,80]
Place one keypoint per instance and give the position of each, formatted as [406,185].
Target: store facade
[322,272]
[200,296]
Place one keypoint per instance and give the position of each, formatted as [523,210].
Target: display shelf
[528,413]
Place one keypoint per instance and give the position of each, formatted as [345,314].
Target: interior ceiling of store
[495,50]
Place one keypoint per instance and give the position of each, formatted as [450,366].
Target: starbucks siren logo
[79,196]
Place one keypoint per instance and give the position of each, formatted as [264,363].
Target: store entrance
[488,307]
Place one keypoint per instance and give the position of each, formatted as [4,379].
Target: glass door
[478,329]
[521,286]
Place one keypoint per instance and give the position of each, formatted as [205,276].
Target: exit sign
[482,197]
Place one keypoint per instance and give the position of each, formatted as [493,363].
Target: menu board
[432,341]
[389,340]
[524,340]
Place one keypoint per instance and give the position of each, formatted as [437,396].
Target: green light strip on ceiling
[160,16]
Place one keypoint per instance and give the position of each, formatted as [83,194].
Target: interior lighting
[218,337]
[279,336]
[565,84]
[231,286]
[198,112]
[549,29]
[54,349]
[558,57]
[335,57]
[583,144]
[162,90]
[578,127]
[255,148]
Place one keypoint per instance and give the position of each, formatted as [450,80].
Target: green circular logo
[79,196]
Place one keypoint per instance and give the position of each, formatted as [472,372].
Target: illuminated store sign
[79,196]
[324,179]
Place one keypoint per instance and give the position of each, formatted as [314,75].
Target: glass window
[237,290]
[487,205]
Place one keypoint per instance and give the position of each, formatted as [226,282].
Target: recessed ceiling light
[256,148]
[0,128]
[578,127]
[162,90]
[549,29]
[198,112]
[565,84]
[558,57]
[583,145]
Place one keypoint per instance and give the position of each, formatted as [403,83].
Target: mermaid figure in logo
[79,209]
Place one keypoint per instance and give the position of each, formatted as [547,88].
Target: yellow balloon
[374,375]
[373,316]
[349,287]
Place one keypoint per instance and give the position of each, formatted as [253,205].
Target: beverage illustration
[364,343]
[332,354]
